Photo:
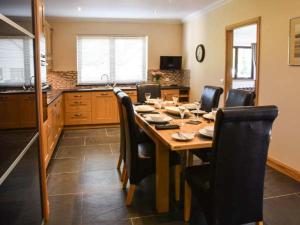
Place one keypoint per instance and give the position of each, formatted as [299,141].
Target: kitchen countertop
[55,93]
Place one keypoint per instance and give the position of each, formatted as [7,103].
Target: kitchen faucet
[107,80]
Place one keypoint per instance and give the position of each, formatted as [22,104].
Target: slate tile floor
[84,188]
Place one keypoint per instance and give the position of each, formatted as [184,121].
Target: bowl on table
[207,131]
[144,108]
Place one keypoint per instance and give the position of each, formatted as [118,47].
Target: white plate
[201,112]
[190,106]
[209,116]
[144,108]
[174,110]
[151,101]
[150,119]
[204,133]
[179,136]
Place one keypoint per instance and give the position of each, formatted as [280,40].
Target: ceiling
[126,9]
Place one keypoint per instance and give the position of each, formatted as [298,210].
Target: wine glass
[147,96]
[159,103]
[197,104]
[175,99]
[182,112]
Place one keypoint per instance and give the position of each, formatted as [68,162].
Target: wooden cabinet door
[28,111]
[132,95]
[50,130]
[9,111]
[168,94]
[104,108]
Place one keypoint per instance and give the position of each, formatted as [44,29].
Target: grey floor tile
[65,165]
[72,141]
[97,181]
[98,150]
[99,161]
[99,140]
[59,184]
[282,211]
[115,148]
[76,152]
[113,131]
[277,184]
[65,210]
[85,132]
[166,219]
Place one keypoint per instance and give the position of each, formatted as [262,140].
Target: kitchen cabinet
[104,108]
[168,94]
[78,108]
[132,95]
[28,111]
[9,111]
[53,127]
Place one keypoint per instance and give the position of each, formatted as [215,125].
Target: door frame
[228,55]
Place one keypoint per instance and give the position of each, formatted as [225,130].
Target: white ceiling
[126,9]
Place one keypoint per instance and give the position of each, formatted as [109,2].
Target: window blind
[16,61]
[102,59]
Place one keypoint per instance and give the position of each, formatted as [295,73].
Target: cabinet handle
[102,95]
[77,115]
[77,102]
[77,96]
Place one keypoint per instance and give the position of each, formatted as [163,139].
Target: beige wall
[164,39]
[279,83]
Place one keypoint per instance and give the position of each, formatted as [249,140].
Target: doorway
[242,56]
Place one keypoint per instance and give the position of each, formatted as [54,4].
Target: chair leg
[130,194]
[119,162]
[125,181]
[177,182]
[123,173]
[259,223]
[187,201]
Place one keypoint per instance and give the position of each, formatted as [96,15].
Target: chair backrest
[240,150]
[210,98]
[238,97]
[154,89]
[122,127]
[131,135]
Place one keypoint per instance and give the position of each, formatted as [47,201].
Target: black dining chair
[140,156]
[122,134]
[210,98]
[239,97]
[142,89]
[142,136]
[230,188]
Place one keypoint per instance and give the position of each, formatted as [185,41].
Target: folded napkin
[167,127]
[147,113]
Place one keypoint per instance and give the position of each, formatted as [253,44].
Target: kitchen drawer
[83,105]
[75,118]
[83,96]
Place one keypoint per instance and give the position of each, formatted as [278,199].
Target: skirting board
[281,167]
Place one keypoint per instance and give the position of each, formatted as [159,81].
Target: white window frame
[112,75]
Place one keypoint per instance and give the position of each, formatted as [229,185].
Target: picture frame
[294,42]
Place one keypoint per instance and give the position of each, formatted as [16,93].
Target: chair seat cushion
[198,178]
[146,150]
[203,154]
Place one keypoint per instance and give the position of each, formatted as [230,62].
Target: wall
[164,39]
[279,83]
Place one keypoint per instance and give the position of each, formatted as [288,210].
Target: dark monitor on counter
[170,62]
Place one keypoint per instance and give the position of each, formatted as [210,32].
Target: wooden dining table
[164,143]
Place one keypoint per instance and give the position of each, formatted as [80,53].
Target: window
[243,63]
[16,61]
[102,59]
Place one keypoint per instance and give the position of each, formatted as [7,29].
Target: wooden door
[104,108]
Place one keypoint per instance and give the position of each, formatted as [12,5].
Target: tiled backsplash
[68,79]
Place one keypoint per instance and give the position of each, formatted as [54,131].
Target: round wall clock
[200,53]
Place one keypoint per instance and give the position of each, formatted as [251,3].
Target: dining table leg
[162,177]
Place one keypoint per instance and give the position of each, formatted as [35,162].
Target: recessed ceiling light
[79,9]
